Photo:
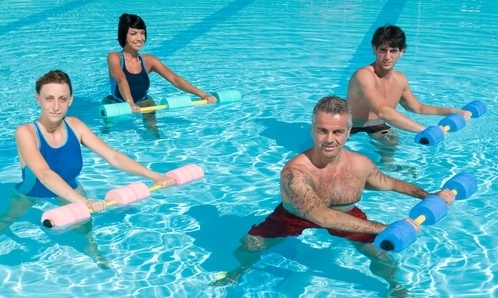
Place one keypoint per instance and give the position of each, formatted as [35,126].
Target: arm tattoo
[300,189]
[381,177]
[378,180]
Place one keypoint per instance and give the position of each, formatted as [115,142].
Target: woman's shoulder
[76,124]
[149,57]
[25,128]
[73,121]
[114,55]
[25,132]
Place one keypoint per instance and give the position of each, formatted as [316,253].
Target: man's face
[330,133]
[386,56]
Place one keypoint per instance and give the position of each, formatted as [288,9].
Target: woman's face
[135,38]
[54,100]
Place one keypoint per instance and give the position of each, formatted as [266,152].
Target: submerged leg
[85,229]
[150,120]
[388,138]
[387,142]
[18,205]
[247,254]
[383,265]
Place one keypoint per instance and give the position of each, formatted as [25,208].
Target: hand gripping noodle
[434,135]
[401,234]
[73,213]
[171,102]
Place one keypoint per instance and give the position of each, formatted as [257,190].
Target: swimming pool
[283,56]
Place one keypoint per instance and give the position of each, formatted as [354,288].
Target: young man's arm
[377,103]
[410,103]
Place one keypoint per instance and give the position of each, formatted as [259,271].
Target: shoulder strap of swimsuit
[38,131]
[39,134]
[70,132]
[122,59]
[143,63]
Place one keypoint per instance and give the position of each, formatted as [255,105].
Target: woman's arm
[116,72]
[113,157]
[157,66]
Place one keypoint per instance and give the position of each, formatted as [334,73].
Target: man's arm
[378,105]
[299,189]
[380,181]
[410,103]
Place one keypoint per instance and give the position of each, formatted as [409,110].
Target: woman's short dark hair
[127,21]
[54,76]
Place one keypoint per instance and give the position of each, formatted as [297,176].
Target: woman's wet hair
[54,76]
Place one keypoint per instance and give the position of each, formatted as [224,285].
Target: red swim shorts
[282,223]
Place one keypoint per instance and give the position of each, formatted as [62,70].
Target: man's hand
[443,129]
[447,195]
[465,114]
[415,224]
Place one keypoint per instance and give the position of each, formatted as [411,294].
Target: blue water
[282,56]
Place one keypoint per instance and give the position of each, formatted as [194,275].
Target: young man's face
[386,56]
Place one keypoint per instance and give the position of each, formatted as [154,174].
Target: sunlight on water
[282,56]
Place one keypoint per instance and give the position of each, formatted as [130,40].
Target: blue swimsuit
[139,83]
[65,160]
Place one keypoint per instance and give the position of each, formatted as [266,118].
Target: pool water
[282,56]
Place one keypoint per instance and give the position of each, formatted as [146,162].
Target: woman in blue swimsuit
[129,71]
[51,160]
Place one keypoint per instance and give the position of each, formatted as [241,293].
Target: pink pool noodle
[186,174]
[128,194]
[64,216]
[77,212]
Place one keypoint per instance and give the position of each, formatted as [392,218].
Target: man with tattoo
[319,189]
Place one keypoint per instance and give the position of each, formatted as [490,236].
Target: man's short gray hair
[333,105]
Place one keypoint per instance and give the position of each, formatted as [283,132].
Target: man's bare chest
[340,188]
[391,92]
